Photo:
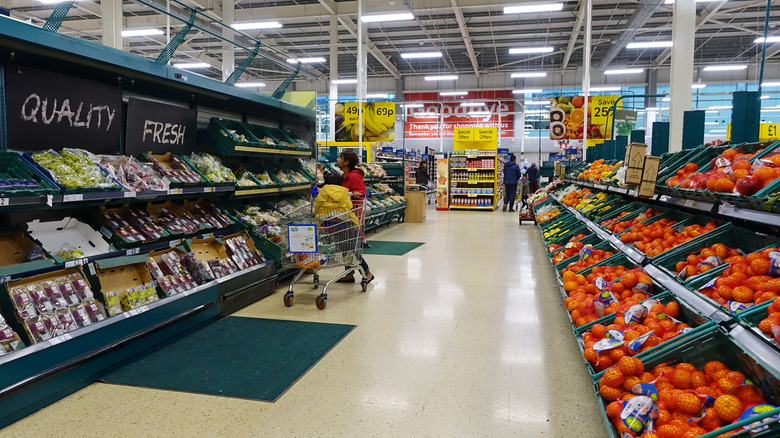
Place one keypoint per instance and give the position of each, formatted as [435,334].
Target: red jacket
[353,181]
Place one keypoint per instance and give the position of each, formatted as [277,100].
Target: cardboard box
[634,162]
[650,169]
[646,189]
[119,278]
[209,249]
[53,234]
[16,250]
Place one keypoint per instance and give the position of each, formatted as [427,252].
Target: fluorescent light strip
[711,123]
[717,131]
[343,81]
[769,39]
[666,99]
[249,84]
[412,105]
[426,115]
[186,65]
[306,60]
[724,67]
[537,102]
[711,112]
[764,97]
[377,96]
[419,55]
[527,91]
[530,50]
[252,25]
[441,78]
[698,86]
[649,45]
[141,32]
[770,84]
[472,104]
[653,108]
[479,113]
[720,107]
[454,93]
[599,89]
[623,71]
[537,112]
[381,18]
[537,74]
[671,2]
[527,9]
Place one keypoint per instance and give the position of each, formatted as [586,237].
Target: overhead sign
[567,117]
[159,128]
[439,117]
[387,149]
[464,134]
[48,110]
[378,121]
[503,151]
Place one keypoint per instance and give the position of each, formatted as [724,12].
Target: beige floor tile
[465,336]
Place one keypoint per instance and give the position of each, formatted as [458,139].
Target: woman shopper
[353,181]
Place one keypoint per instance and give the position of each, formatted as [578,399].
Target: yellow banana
[371,125]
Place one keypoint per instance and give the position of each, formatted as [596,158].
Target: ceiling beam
[704,16]
[645,10]
[771,51]
[734,26]
[575,32]
[372,48]
[464,32]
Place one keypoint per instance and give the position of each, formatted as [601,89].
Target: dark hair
[351,158]
[332,178]
[512,158]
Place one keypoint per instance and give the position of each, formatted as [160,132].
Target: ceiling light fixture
[699,86]
[187,65]
[770,84]
[537,102]
[377,96]
[623,71]
[530,50]
[428,115]
[419,55]
[472,104]
[306,60]
[598,89]
[412,105]
[249,84]
[653,108]
[537,74]
[720,107]
[381,18]
[253,25]
[769,39]
[454,93]
[479,113]
[764,97]
[442,78]
[649,45]
[527,91]
[526,9]
[711,123]
[725,67]
[141,32]
[343,81]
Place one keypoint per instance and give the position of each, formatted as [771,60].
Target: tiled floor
[465,336]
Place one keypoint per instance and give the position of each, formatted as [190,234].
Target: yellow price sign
[381,112]
[486,134]
[600,107]
[769,131]
[464,134]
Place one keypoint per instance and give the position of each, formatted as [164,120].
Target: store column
[228,53]
[112,23]
[334,74]
[683,32]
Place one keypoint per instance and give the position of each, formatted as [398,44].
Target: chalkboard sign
[159,128]
[48,110]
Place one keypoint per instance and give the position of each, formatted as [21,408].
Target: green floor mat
[381,247]
[250,358]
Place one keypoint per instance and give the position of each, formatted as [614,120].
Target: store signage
[399,151]
[567,117]
[486,134]
[378,121]
[625,115]
[440,117]
[556,157]
[464,134]
[387,149]
[425,156]
[159,128]
[503,151]
[572,151]
[48,110]
[769,131]
[412,154]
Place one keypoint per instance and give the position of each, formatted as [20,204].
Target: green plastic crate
[605,245]
[591,239]
[14,168]
[227,134]
[752,317]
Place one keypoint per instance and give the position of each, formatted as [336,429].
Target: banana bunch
[376,129]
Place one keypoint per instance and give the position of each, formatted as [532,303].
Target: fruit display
[372,170]
[289,205]
[682,174]
[309,165]
[242,252]
[731,172]
[677,399]
[133,225]
[572,248]
[376,126]
[748,280]
[211,167]
[170,274]
[599,169]
[770,325]
[208,215]
[616,226]
[9,339]
[574,197]
[73,169]
[174,168]
[55,306]
[548,214]
[245,178]
[131,173]
[661,235]
[706,259]
[174,219]
[290,176]
[588,256]
[636,328]
[256,216]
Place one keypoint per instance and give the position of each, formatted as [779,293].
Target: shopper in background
[524,192]
[512,174]
[421,175]
[353,181]
[533,178]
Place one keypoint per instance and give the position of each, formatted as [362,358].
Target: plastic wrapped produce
[265,179]
[73,169]
[133,174]
[211,167]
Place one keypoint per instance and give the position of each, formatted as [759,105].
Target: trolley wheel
[288,299]
[322,302]
[364,284]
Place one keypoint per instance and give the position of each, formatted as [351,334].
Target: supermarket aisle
[464,336]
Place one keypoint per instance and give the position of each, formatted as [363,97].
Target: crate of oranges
[571,247]
[764,320]
[707,384]
[588,255]
[622,212]
[666,231]
[691,260]
[639,329]
[599,169]
[669,178]
[747,281]
[620,224]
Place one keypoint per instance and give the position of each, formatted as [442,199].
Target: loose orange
[765,174]
[724,185]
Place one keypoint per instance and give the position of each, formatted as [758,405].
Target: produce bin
[113,186]
[19,178]
[54,236]
[563,239]
[227,134]
[752,317]
[604,245]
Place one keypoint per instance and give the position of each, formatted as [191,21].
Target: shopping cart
[317,237]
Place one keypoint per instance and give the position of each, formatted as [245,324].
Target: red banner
[426,121]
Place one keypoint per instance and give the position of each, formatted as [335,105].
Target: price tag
[132,312]
[49,200]
[74,263]
[689,203]
[129,194]
[5,279]
[472,195]
[3,202]
[174,242]
[143,309]
[664,198]
[72,198]
[175,191]
[208,189]
[207,236]
[133,251]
